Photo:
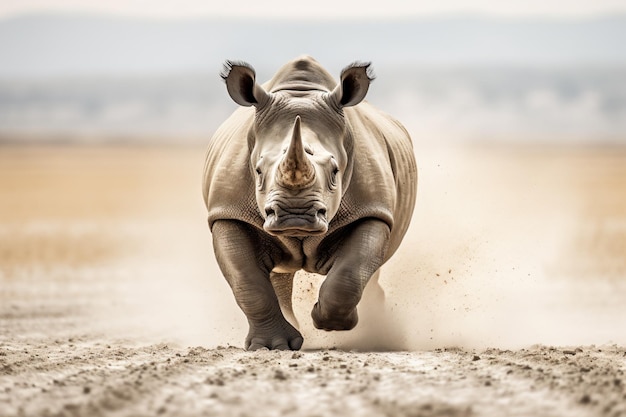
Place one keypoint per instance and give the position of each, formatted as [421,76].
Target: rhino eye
[334,171]
[259,174]
[335,166]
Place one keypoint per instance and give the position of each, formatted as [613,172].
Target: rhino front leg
[357,258]
[246,261]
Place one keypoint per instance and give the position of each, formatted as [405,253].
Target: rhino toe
[279,344]
[289,339]
[296,343]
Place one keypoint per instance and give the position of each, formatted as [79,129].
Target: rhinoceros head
[300,145]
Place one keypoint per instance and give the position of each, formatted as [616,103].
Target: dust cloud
[509,247]
[489,261]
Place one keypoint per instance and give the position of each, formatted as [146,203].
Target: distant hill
[68,45]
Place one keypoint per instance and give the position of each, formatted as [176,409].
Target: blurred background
[539,71]
[517,112]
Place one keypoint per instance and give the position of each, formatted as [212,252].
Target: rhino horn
[295,170]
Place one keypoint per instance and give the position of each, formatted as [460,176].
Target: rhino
[305,175]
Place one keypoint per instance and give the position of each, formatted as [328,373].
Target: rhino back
[303,73]
[384,178]
[228,186]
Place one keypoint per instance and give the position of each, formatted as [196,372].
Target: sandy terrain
[505,299]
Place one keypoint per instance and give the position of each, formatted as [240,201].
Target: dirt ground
[506,298]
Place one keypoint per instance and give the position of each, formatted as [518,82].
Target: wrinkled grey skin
[305,175]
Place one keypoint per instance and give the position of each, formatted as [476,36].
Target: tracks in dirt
[85,378]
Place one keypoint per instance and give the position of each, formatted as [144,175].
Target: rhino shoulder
[384,178]
[228,186]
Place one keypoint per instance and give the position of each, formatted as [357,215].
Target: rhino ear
[241,84]
[355,81]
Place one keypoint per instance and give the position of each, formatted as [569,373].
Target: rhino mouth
[297,222]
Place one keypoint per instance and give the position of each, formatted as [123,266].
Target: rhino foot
[284,337]
[337,320]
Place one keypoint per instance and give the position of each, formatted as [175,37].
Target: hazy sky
[315,8]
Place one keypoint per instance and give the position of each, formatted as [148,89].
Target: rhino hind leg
[283,286]
[374,295]
[245,260]
[357,260]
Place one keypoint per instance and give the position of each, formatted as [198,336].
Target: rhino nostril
[269,211]
[321,213]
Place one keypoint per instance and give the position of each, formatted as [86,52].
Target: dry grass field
[506,298]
